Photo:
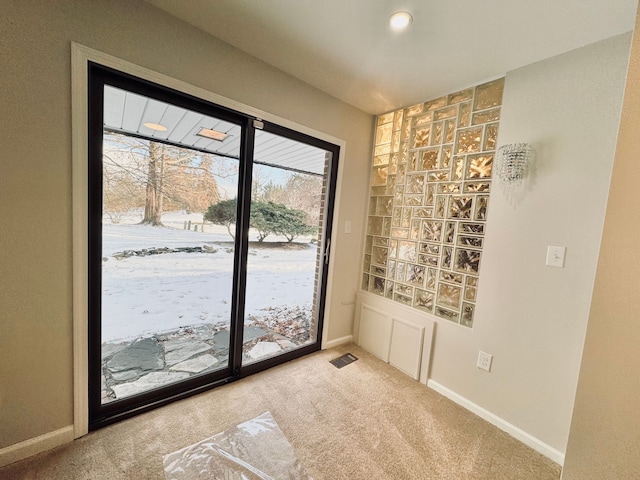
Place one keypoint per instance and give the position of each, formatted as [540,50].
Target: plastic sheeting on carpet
[256,449]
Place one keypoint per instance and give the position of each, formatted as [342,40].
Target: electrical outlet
[484,361]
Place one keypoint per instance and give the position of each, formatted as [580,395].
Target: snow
[161,293]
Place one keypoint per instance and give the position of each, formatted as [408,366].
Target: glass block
[473,228]
[380,271]
[438,176]
[414,232]
[368,243]
[435,104]
[429,197]
[397,120]
[406,129]
[375,226]
[365,282]
[393,248]
[379,176]
[470,294]
[381,160]
[404,300]
[429,249]
[477,187]
[449,232]
[480,166]
[398,197]
[373,205]
[377,285]
[445,113]
[460,96]
[391,184]
[489,95]
[460,207]
[403,289]
[391,269]
[436,136]
[423,300]
[467,314]
[416,109]
[413,200]
[407,251]
[430,284]
[386,226]
[469,140]
[422,120]
[445,158]
[458,167]
[404,147]
[415,183]
[421,137]
[449,188]
[400,232]
[482,205]
[429,159]
[379,191]
[486,116]
[431,230]
[472,281]
[451,277]
[464,115]
[467,261]
[449,295]
[385,205]
[428,260]
[422,212]
[382,149]
[395,141]
[447,256]
[449,131]
[447,314]
[415,275]
[381,241]
[441,206]
[396,217]
[412,162]
[469,241]
[386,118]
[400,266]
[389,290]
[490,137]
[393,163]
[379,255]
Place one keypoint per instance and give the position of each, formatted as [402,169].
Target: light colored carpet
[364,421]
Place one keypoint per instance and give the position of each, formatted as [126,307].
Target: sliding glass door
[209,235]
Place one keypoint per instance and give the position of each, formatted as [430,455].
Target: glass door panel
[167,270]
[285,246]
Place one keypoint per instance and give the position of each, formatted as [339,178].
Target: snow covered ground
[160,293]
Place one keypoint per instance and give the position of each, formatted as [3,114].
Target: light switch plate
[555,256]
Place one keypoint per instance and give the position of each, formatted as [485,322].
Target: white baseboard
[337,342]
[30,447]
[526,438]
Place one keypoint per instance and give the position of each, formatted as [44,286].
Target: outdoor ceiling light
[156,126]
[400,20]
[212,134]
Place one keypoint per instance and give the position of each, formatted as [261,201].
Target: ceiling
[346,49]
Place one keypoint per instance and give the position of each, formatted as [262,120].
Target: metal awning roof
[128,112]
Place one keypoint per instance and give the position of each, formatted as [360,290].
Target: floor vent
[344,360]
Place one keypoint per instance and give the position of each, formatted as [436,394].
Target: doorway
[209,237]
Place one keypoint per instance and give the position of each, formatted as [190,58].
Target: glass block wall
[430,189]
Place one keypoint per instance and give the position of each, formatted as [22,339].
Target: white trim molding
[517,433]
[33,446]
[337,342]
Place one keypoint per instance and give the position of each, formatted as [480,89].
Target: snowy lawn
[159,293]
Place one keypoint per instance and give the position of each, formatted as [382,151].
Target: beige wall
[605,429]
[36,387]
[532,318]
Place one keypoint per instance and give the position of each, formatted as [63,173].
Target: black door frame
[101,415]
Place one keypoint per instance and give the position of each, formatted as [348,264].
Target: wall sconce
[511,164]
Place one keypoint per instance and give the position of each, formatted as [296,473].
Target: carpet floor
[366,420]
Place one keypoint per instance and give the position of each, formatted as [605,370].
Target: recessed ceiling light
[400,20]
[156,126]
[212,134]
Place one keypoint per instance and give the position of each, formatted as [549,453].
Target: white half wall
[530,317]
